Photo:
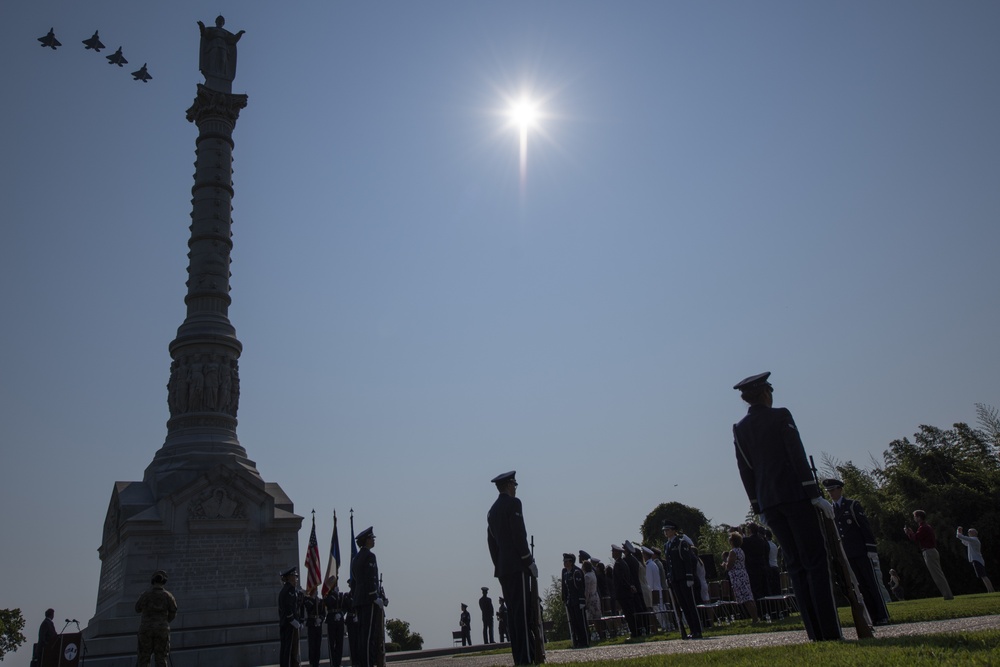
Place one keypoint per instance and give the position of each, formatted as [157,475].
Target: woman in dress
[739,579]
[592,597]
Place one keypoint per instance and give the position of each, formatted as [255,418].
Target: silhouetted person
[158,608]
[783,492]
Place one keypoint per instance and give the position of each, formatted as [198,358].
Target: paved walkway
[710,643]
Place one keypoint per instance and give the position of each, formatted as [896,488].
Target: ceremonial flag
[312,561]
[354,543]
[332,565]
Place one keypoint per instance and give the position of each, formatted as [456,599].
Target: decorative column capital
[213,104]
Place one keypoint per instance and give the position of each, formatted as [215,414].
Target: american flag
[332,565]
[312,561]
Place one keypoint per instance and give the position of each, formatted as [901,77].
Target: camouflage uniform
[158,607]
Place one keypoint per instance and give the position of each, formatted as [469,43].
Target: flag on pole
[332,565]
[354,543]
[312,560]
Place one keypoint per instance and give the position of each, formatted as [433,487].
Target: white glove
[763,519]
[690,584]
[824,506]
[533,569]
[296,624]
[379,603]
[873,557]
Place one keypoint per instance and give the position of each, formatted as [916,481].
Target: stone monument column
[202,512]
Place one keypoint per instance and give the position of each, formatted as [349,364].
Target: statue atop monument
[217,56]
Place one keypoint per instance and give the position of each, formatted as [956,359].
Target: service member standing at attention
[859,544]
[513,564]
[486,608]
[782,491]
[368,602]
[682,567]
[465,625]
[336,605]
[315,614]
[574,596]
[158,607]
[289,619]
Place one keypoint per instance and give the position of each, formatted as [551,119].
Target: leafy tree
[401,639]
[11,624]
[554,609]
[953,475]
[691,520]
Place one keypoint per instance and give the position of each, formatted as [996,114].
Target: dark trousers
[685,600]
[628,611]
[488,630]
[466,636]
[865,574]
[641,617]
[288,653]
[314,635]
[335,639]
[797,528]
[503,631]
[353,641]
[515,594]
[577,625]
[370,636]
[773,581]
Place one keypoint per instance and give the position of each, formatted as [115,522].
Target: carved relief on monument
[204,383]
[216,503]
[112,522]
[210,103]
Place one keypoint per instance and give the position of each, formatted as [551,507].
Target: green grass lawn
[967,648]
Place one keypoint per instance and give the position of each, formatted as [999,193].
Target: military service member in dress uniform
[465,625]
[513,563]
[337,605]
[681,562]
[289,618]
[859,544]
[315,614]
[368,601]
[783,492]
[157,607]
[574,596]
[486,608]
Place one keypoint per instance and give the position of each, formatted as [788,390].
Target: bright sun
[524,114]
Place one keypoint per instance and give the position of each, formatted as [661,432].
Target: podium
[66,650]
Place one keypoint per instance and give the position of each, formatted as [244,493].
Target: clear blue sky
[717,189]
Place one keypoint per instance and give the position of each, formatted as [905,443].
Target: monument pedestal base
[223,540]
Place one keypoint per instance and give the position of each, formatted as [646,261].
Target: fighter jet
[50,40]
[94,43]
[117,58]
[141,74]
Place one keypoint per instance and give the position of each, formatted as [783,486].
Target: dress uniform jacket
[507,537]
[855,531]
[774,470]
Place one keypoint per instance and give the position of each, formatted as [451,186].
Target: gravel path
[710,643]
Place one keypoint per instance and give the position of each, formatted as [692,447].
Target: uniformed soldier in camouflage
[158,607]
